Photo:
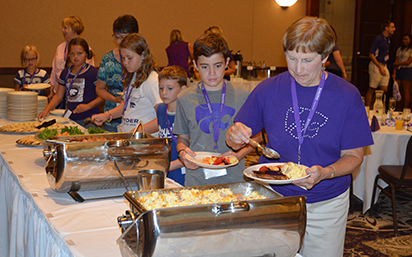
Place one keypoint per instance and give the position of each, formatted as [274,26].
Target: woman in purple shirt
[179,51]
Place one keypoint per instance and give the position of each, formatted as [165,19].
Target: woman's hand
[317,174]
[100,118]
[238,135]
[81,108]
[188,164]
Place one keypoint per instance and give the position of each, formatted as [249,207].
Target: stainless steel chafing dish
[79,166]
[273,226]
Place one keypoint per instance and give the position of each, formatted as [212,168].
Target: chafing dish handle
[230,208]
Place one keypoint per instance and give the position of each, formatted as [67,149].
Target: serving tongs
[136,128]
[46,124]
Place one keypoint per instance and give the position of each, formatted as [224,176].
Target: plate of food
[277,173]
[38,86]
[29,141]
[212,160]
[27,127]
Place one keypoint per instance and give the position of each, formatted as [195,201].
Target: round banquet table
[389,148]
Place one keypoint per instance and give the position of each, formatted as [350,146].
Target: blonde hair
[214,29]
[175,73]
[25,50]
[310,35]
[75,23]
[137,43]
[176,36]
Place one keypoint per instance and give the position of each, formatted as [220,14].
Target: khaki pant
[326,227]
[376,78]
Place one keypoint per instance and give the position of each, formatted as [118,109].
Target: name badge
[213,173]
[67,113]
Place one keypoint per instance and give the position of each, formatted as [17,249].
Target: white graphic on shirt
[76,92]
[318,121]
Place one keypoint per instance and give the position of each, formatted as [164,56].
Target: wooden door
[370,14]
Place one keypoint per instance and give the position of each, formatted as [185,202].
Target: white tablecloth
[36,221]
[389,148]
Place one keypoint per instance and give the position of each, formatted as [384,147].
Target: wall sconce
[285,3]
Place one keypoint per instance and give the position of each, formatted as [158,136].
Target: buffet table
[37,221]
[389,148]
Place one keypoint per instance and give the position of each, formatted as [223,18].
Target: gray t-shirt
[193,119]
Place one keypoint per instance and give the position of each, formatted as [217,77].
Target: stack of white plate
[21,105]
[41,103]
[3,100]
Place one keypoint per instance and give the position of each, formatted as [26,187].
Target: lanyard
[24,77]
[216,123]
[315,102]
[127,96]
[169,128]
[74,78]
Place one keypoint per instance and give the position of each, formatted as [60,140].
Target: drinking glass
[406,115]
[392,104]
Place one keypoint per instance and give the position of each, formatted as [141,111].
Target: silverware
[46,124]
[136,128]
[127,185]
[267,152]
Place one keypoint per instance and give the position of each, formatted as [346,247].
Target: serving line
[41,222]
[389,148]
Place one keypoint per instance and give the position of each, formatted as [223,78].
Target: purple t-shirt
[178,54]
[82,91]
[380,48]
[339,123]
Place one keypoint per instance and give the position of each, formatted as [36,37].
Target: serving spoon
[267,152]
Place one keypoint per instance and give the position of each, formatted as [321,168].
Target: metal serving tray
[247,228]
[79,166]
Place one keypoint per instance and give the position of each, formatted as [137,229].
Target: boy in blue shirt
[172,80]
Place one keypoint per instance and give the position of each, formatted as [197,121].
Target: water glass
[406,114]
[392,104]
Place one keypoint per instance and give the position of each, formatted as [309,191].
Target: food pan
[247,228]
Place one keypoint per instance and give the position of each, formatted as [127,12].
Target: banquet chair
[397,177]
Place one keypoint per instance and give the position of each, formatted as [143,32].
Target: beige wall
[253,26]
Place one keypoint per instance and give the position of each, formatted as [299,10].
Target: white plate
[57,112]
[199,158]
[249,173]
[38,86]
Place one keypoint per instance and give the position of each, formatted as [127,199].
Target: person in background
[179,52]
[205,111]
[78,83]
[72,27]
[334,64]
[314,119]
[140,87]
[109,78]
[231,67]
[379,55]
[402,68]
[30,59]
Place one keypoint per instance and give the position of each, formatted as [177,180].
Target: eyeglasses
[119,36]
[30,60]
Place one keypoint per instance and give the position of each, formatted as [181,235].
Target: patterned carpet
[373,236]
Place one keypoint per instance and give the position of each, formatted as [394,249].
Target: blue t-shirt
[110,71]
[164,132]
[339,123]
[380,48]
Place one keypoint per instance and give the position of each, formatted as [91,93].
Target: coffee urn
[238,58]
